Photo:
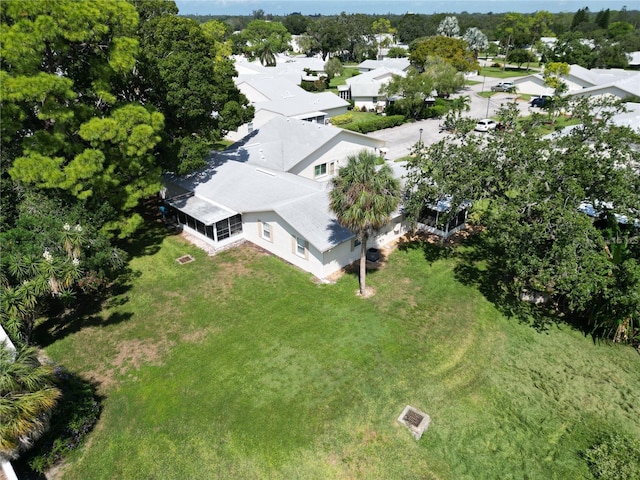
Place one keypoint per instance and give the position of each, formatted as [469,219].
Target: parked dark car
[541,101]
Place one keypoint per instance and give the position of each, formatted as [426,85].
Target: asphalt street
[400,140]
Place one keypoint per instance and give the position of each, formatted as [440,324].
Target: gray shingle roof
[282,143]
[238,186]
[251,176]
[300,104]
[399,63]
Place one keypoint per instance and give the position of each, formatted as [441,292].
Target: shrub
[377,123]
[342,119]
[72,419]
[617,457]
[319,85]
[436,111]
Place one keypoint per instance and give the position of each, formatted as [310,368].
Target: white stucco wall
[368,103]
[396,228]
[336,151]
[260,118]
[282,243]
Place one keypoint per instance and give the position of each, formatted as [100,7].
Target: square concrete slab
[415,420]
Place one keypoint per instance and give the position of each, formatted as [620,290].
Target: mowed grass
[509,72]
[240,366]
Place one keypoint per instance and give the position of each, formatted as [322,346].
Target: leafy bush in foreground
[615,458]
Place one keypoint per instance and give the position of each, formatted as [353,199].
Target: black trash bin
[373,254]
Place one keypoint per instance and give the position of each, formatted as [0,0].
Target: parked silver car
[504,87]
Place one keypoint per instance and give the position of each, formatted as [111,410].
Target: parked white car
[485,125]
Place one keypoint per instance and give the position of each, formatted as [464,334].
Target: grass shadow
[148,239]
[73,418]
[62,321]
[58,327]
[480,266]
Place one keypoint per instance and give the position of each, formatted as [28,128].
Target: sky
[328,7]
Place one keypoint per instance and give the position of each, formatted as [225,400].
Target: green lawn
[347,72]
[496,72]
[240,366]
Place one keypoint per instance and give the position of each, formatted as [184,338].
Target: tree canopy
[95,105]
[452,50]
[70,128]
[264,39]
[534,196]
[27,397]
[184,70]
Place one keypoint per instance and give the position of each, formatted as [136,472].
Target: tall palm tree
[266,55]
[27,396]
[461,104]
[363,198]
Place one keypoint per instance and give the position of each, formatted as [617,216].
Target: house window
[235,224]
[266,231]
[222,229]
[301,247]
[320,170]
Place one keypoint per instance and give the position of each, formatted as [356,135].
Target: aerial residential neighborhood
[319,240]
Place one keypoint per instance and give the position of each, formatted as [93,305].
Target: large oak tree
[533,194]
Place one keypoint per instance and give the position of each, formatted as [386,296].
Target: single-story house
[582,81]
[620,88]
[393,63]
[272,96]
[272,189]
[289,67]
[364,89]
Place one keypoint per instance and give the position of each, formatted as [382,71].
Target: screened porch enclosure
[438,219]
[210,220]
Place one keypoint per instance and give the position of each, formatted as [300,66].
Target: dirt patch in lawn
[132,354]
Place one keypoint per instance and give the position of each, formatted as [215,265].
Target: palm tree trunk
[363,265]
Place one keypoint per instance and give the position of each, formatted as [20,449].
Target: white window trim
[266,231]
[322,174]
[300,243]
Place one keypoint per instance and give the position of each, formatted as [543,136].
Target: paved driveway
[400,140]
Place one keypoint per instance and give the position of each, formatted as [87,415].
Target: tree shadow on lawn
[480,266]
[74,417]
[148,239]
[58,327]
[432,246]
[62,322]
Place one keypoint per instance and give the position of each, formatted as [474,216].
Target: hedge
[377,124]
